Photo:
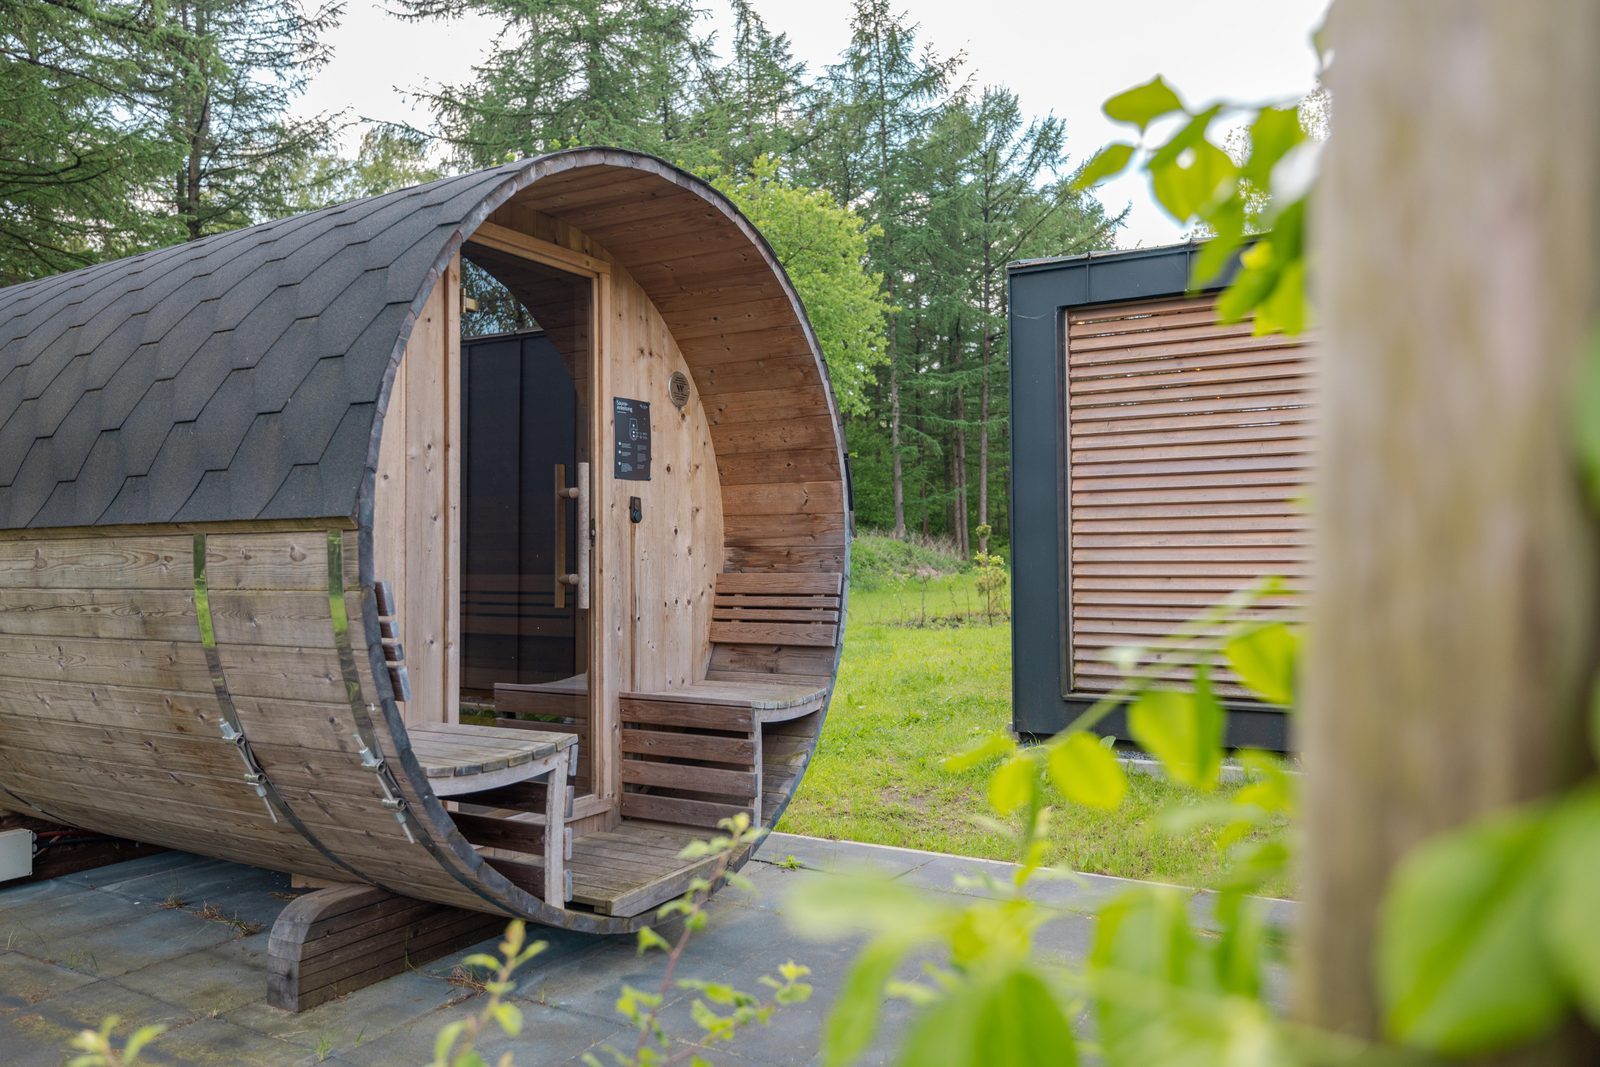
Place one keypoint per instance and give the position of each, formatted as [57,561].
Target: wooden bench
[486,766]
[693,754]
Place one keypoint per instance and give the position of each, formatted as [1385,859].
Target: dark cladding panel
[1041,292]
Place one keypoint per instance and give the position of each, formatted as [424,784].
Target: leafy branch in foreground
[1196,180]
[456,1043]
[100,1051]
[718,1009]
[1157,985]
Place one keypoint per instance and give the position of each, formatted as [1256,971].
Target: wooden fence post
[1454,615]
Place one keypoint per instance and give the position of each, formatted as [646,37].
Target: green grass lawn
[910,695]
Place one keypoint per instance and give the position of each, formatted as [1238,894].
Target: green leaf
[1087,773]
[509,1016]
[1192,133]
[1193,180]
[1274,133]
[445,1040]
[1111,160]
[1594,719]
[649,939]
[141,1037]
[1462,967]
[1013,783]
[1143,104]
[1241,943]
[992,746]
[839,905]
[1011,1020]
[1182,730]
[1586,429]
[1265,658]
[1144,959]
[1228,226]
[1271,787]
[1572,924]
[854,1019]
[1284,310]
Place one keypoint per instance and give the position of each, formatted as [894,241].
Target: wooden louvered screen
[1189,457]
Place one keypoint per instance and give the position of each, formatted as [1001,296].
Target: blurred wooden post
[1454,617]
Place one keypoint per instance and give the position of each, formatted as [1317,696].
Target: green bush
[878,560]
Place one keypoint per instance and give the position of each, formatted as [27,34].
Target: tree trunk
[1453,623]
[986,344]
[958,478]
[894,448]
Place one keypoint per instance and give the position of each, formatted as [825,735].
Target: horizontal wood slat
[776,609]
[730,583]
[1189,452]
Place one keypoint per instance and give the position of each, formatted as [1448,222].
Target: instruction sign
[632,420]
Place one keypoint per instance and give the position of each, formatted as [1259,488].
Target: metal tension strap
[367,734]
[232,729]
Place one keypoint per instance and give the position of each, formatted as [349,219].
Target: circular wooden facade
[230,578]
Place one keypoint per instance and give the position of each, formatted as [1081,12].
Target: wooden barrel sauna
[292,575]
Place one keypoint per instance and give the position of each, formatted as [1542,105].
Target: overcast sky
[1061,56]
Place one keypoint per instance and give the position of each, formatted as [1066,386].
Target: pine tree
[1016,209]
[228,108]
[81,137]
[569,72]
[880,97]
[753,106]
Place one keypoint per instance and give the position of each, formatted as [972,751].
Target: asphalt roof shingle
[235,377]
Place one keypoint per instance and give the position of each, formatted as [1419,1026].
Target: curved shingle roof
[236,377]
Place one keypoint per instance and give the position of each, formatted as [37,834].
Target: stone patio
[76,949]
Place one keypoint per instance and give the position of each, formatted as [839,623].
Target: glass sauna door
[526,568]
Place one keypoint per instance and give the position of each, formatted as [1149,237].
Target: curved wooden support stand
[336,941]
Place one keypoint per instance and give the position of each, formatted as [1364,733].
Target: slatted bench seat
[484,763]
[693,754]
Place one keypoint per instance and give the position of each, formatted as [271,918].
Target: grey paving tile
[209,982]
[549,1036]
[51,1024]
[43,914]
[212,1042]
[29,1040]
[349,1021]
[590,982]
[819,854]
[146,876]
[175,967]
[13,896]
[25,981]
[147,934]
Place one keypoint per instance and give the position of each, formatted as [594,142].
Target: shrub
[878,560]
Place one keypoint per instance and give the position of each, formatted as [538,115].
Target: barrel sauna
[293,575]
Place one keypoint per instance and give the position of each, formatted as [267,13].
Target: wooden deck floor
[633,868]
[623,872]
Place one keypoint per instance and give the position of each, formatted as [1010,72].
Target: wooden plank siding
[111,717]
[1188,455]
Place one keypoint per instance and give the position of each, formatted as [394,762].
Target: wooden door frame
[604,694]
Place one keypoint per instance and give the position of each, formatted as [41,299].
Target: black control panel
[632,419]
